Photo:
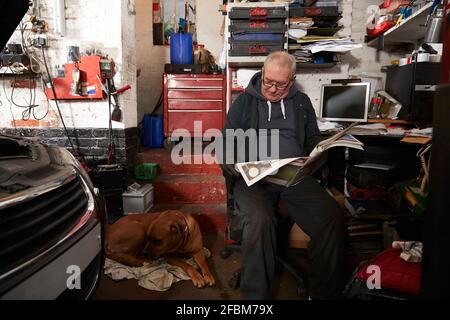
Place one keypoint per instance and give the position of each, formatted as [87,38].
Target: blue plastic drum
[181,48]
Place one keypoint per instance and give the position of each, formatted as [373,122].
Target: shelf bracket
[380,42]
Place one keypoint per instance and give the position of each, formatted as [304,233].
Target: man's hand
[229,169]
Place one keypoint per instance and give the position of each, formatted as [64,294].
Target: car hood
[26,164]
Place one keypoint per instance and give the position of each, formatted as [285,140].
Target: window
[172,16]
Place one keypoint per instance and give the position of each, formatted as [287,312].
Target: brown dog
[135,239]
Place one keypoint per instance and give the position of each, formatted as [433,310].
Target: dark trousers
[315,211]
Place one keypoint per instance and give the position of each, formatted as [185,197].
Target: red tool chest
[193,97]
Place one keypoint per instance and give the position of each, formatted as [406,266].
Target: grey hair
[282,59]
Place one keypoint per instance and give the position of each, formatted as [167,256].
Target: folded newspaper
[290,171]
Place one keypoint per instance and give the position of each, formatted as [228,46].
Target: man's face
[276,82]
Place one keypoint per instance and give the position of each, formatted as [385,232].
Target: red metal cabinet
[193,97]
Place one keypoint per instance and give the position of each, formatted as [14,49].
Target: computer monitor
[345,102]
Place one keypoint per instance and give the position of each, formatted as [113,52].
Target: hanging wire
[56,101]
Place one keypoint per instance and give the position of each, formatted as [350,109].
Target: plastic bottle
[374,108]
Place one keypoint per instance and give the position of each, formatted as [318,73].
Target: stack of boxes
[256,30]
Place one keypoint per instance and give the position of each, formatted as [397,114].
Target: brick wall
[105,25]
[93,143]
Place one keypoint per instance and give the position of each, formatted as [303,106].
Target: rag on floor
[411,250]
[158,276]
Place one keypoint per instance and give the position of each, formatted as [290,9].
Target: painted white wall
[209,24]
[108,26]
[150,60]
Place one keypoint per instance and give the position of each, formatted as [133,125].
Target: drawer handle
[193,100]
[192,111]
[195,89]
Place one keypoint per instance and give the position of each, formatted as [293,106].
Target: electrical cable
[56,102]
[10,104]
[111,147]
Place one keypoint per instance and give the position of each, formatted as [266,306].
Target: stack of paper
[303,56]
[300,23]
[373,129]
[331,44]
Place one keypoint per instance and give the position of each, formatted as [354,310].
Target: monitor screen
[345,102]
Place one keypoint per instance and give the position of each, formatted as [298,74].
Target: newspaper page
[290,171]
[297,170]
[253,172]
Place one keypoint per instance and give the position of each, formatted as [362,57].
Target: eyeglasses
[279,86]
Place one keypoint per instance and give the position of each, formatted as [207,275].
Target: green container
[146,171]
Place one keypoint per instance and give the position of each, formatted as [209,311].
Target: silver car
[50,223]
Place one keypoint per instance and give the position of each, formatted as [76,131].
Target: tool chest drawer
[193,97]
[194,104]
[253,48]
[315,12]
[194,93]
[258,13]
[206,119]
[261,26]
[174,82]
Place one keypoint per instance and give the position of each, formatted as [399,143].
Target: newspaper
[290,171]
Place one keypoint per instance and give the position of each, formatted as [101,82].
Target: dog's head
[166,234]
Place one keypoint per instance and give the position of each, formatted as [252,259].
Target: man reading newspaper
[272,102]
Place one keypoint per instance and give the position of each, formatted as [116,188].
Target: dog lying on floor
[140,238]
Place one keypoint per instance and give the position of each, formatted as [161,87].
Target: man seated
[272,102]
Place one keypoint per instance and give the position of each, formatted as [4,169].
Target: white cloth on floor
[158,276]
[411,250]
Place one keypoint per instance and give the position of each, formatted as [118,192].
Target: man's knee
[258,219]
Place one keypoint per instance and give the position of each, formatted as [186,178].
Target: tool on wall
[116,114]
[107,72]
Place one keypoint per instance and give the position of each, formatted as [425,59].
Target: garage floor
[285,287]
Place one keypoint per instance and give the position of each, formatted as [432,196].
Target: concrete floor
[285,285]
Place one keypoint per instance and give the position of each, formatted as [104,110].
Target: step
[212,219]
[189,189]
[194,164]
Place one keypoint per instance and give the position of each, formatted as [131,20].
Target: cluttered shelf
[409,30]
[382,189]
[389,121]
[400,130]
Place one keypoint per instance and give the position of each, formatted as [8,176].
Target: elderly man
[271,101]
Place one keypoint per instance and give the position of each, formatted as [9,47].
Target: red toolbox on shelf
[193,97]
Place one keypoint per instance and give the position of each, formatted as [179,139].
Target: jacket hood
[254,89]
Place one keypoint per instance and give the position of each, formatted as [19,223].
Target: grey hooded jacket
[245,114]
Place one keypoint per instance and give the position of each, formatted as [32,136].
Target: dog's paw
[197,279]
[209,279]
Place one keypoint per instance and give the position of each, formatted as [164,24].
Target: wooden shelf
[410,30]
[389,121]
[326,65]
